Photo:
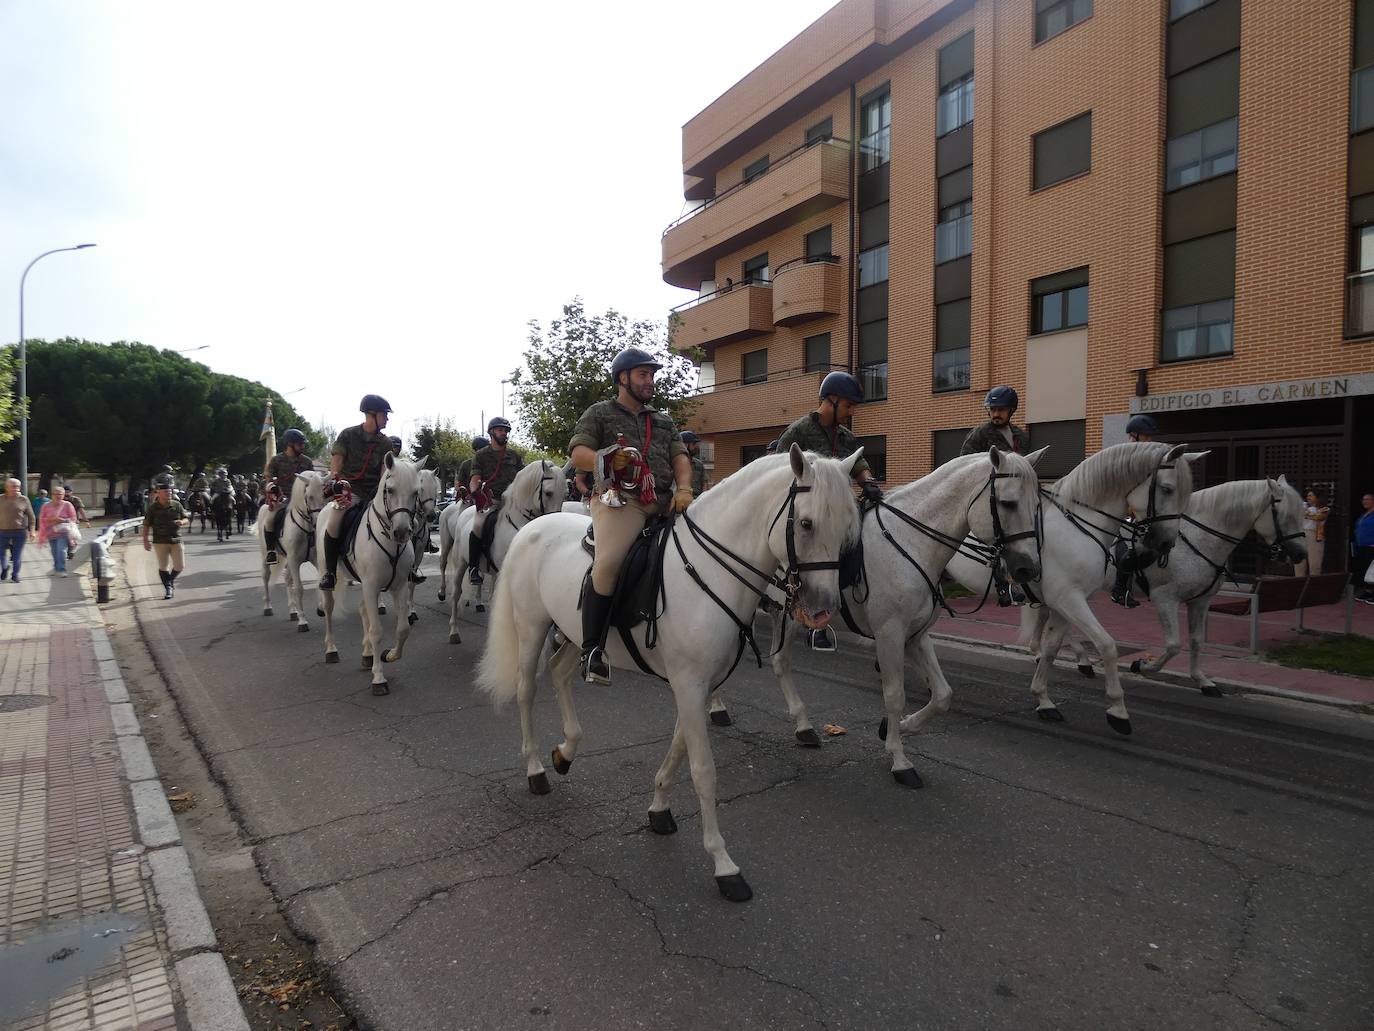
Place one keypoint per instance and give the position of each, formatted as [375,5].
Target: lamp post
[24,369]
[503,397]
[193,350]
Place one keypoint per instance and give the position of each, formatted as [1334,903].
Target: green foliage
[448,447]
[9,408]
[319,443]
[1348,653]
[567,370]
[125,408]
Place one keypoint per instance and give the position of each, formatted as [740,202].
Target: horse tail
[1032,623]
[499,672]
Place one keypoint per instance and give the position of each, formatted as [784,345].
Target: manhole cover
[16,702]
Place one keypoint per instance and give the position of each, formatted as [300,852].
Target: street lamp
[192,350]
[24,369]
[503,397]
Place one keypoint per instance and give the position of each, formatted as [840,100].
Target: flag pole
[269,433]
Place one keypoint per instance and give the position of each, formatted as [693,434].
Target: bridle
[1127,529]
[544,478]
[1273,548]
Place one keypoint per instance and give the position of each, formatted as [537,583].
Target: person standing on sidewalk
[52,528]
[81,517]
[1314,515]
[1363,552]
[165,518]
[16,527]
[39,500]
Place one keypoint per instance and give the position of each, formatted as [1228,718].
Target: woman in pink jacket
[52,518]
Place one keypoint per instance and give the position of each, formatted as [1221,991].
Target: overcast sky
[353,197]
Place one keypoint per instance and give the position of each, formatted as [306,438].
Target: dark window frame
[1041,33]
[962,230]
[1086,170]
[745,376]
[1203,160]
[884,131]
[809,363]
[875,454]
[1174,359]
[819,254]
[756,168]
[1192,10]
[871,257]
[821,131]
[875,371]
[962,93]
[751,453]
[1066,282]
[751,265]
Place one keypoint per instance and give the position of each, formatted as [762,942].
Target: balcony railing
[734,405]
[1359,304]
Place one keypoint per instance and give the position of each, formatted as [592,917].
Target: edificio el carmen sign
[1327,388]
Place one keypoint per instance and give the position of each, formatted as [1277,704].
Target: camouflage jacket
[284,468]
[363,454]
[163,520]
[496,467]
[465,473]
[698,476]
[604,421]
[836,442]
[980,438]
[221,486]
[198,482]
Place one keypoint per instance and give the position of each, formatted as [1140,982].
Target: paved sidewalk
[1225,657]
[102,925]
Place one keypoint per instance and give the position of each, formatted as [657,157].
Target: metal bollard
[102,566]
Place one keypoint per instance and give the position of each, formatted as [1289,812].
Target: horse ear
[1193,456]
[1176,452]
[995,456]
[1034,457]
[794,455]
[1283,479]
[390,460]
[851,461]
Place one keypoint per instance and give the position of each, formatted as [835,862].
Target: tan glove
[620,460]
[682,497]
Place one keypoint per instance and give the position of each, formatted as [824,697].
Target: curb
[211,1001]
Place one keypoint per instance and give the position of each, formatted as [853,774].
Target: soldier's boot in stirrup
[474,558]
[822,640]
[596,613]
[331,562]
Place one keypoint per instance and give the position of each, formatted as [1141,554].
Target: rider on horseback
[198,482]
[493,470]
[693,443]
[356,464]
[649,440]
[222,484]
[397,445]
[1140,428]
[999,431]
[281,473]
[465,469]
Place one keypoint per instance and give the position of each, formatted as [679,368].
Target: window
[1059,301]
[755,169]
[1054,16]
[873,360]
[754,366]
[954,234]
[750,452]
[1362,100]
[1200,155]
[952,329]
[1063,151]
[820,131]
[875,124]
[954,108]
[817,353]
[946,444]
[818,244]
[875,454]
[873,266]
[1198,330]
[1066,442]
[756,269]
[1178,8]
[1364,249]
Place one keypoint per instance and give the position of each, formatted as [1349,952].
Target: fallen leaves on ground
[834,730]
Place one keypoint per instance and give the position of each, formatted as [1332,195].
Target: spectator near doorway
[1363,550]
[1314,513]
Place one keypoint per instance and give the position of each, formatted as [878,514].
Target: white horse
[794,511]
[907,542]
[1083,516]
[295,545]
[1217,520]
[379,555]
[407,617]
[537,490]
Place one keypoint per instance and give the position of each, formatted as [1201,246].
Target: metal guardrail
[102,562]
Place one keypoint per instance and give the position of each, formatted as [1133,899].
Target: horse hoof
[413,618]
[1122,727]
[662,822]
[721,718]
[1211,690]
[267,611]
[539,784]
[1087,670]
[442,596]
[367,662]
[1050,715]
[389,655]
[808,738]
[454,639]
[381,610]
[559,763]
[882,729]
[908,778]
[295,617]
[381,689]
[302,628]
[735,888]
[1135,665]
[331,657]
[480,607]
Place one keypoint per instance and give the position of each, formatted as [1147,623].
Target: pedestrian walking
[164,519]
[39,500]
[56,521]
[74,537]
[1314,513]
[16,528]
[1363,551]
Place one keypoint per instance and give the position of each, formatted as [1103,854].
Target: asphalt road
[1212,871]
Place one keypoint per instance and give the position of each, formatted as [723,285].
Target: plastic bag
[70,531]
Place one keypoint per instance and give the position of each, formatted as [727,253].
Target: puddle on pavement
[47,960]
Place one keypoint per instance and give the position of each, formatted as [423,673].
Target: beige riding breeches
[170,554]
[615,530]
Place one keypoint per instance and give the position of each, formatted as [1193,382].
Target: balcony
[724,316]
[733,406]
[1359,304]
[806,288]
[800,184]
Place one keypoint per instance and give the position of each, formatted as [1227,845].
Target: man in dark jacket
[493,470]
[999,431]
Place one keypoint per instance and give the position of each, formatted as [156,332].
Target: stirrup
[595,669]
[327,582]
[1003,595]
[474,575]
[416,578]
[822,640]
[271,559]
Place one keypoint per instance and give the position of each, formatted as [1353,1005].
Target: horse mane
[830,493]
[1209,501]
[1100,478]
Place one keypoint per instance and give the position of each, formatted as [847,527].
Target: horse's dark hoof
[454,639]
[1050,715]
[295,617]
[908,778]
[331,657]
[662,822]
[442,596]
[1211,691]
[367,662]
[386,656]
[1135,665]
[479,607]
[1122,727]
[381,610]
[539,784]
[319,612]
[381,689]
[560,764]
[721,718]
[302,628]
[735,888]
[1086,668]
[267,611]
[413,618]
[882,729]
[808,738]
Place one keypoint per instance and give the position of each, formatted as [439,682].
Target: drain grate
[18,702]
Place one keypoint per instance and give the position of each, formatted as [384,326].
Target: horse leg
[1075,610]
[922,655]
[531,643]
[445,544]
[372,640]
[402,623]
[266,583]
[1173,641]
[331,651]
[563,672]
[454,637]
[1197,622]
[691,723]
[660,814]
[296,590]
[891,647]
[1052,631]
[783,630]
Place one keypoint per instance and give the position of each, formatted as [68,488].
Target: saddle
[639,595]
[348,530]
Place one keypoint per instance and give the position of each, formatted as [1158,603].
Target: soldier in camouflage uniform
[693,443]
[397,445]
[165,518]
[464,496]
[358,455]
[282,471]
[593,444]
[998,431]
[493,470]
[222,484]
[198,482]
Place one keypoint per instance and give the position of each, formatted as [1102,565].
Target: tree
[9,408]
[448,447]
[567,370]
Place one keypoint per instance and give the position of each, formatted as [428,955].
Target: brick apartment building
[1157,205]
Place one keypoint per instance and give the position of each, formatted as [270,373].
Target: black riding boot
[596,614]
[166,579]
[1121,590]
[172,582]
[331,562]
[271,539]
[474,558]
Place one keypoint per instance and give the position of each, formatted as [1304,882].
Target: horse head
[816,521]
[308,493]
[1010,519]
[1280,526]
[539,488]
[398,493]
[1161,496]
